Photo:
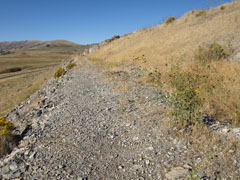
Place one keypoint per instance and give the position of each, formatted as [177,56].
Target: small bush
[112,39]
[170,20]
[5,126]
[185,100]
[60,72]
[200,13]
[211,52]
[222,7]
[70,65]
[115,37]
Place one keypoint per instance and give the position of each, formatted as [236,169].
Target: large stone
[225,130]
[4,170]
[236,130]
[177,172]
[13,167]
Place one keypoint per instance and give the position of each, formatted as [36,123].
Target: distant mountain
[14,45]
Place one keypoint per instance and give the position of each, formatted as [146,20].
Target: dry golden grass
[224,100]
[159,44]
[37,67]
[15,90]
[163,46]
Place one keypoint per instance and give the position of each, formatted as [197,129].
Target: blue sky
[86,21]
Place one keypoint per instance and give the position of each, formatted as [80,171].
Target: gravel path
[88,130]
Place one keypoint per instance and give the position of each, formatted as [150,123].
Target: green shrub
[200,13]
[185,100]
[70,65]
[170,20]
[222,7]
[60,72]
[210,53]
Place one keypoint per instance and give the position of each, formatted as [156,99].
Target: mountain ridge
[34,44]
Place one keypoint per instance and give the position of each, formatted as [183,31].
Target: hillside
[159,44]
[16,45]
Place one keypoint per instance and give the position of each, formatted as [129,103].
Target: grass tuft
[70,65]
[211,52]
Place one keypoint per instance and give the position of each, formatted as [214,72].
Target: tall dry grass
[211,89]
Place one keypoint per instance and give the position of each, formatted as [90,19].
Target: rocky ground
[85,126]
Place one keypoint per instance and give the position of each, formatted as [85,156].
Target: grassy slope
[162,42]
[162,46]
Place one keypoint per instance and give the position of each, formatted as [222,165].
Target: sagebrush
[170,20]
[200,13]
[59,72]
